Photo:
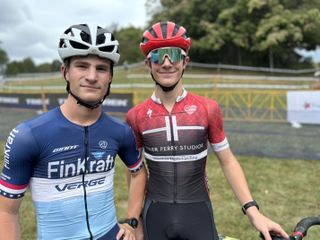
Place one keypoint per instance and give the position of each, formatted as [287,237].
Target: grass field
[286,190]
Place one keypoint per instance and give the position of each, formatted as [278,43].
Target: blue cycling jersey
[70,170]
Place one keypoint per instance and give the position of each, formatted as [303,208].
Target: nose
[166,61]
[91,74]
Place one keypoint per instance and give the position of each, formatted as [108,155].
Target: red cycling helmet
[164,34]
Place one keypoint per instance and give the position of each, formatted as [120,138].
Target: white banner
[303,107]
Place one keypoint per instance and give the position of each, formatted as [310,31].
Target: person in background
[174,128]
[67,155]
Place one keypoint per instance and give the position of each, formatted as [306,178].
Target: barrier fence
[236,105]
[241,105]
[255,121]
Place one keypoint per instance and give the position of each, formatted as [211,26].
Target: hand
[265,225]
[126,232]
[139,230]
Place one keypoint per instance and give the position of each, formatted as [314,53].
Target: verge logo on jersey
[75,185]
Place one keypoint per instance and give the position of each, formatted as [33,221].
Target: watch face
[133,222]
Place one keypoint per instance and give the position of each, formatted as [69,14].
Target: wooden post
[43,98]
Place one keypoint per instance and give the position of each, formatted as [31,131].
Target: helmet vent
[101,39]
[78,45]
[85,37]
[144,40]
[106,49]
[175,30]
[62,44]
[153,33]
[164,27]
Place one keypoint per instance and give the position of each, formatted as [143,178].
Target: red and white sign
[303,107]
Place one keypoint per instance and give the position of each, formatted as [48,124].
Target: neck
[78,114]
[168,99]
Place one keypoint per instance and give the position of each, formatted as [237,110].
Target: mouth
[167,73]
[90,87]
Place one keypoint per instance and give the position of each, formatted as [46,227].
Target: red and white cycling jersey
[175,145]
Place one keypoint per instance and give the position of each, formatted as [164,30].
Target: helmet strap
[86,104]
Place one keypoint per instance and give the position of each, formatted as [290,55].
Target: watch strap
[133,222]
[247,205]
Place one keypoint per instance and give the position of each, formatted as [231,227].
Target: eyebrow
[80,61]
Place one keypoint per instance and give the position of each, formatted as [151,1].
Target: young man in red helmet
[174,128]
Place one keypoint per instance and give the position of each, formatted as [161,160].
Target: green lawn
[287,190]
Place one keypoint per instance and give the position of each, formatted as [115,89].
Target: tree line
[262,33]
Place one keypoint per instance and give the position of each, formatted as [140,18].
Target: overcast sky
[31,28]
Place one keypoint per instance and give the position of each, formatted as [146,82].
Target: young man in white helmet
[174,128]
[67,155]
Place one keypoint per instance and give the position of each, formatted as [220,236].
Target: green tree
[25,66]
[3,57]
[3,60]
[55,65]
[44,67]
[129,40]
[28,65]
[254,32]
[13,68]
[283,28]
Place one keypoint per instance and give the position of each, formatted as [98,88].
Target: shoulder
[139,109]
[41,121]
[28,136]
[145,104]
[113,121]
[206,102]
[114,124]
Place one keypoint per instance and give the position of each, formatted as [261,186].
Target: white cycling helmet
[82,40]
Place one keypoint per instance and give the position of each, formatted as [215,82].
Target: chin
[167,81]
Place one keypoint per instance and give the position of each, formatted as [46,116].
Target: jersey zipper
[175,177]
[86,159]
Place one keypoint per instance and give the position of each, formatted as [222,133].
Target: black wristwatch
[133,222]
[248,205]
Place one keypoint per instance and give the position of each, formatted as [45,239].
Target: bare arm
[236,178]
[234,175]
[137,184]
[9,218]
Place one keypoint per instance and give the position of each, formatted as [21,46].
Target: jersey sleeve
[217,137]
[131,121]
[19,152]
[129,152]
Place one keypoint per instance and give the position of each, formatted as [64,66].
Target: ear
[62,68]
[186,61]
[147,63]
[64,71]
